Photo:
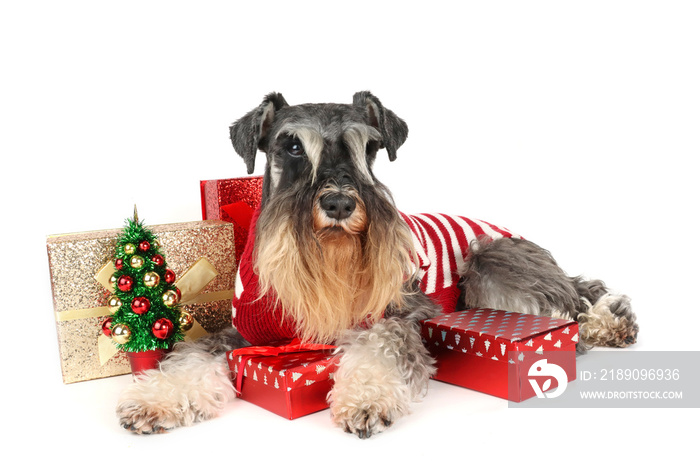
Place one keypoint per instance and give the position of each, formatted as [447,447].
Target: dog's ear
[393,129]
[248,132]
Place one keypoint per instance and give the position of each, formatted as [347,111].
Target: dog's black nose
[337,205]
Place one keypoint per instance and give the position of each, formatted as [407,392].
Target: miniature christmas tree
[146,315]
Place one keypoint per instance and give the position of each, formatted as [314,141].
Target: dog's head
[319,146]
[329,240]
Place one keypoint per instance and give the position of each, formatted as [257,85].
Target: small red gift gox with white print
[491,350]
[292,384]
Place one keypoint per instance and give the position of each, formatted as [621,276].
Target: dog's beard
[334,278]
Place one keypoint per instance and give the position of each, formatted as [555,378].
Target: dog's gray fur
[517,275]
[383,368]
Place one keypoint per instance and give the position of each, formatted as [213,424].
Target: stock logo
[541,369]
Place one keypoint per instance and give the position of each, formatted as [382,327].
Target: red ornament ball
[125,283]
[162,328]
[140,305]
[144,246]
[107,326]
[158,260]
[169,277]
[119,264]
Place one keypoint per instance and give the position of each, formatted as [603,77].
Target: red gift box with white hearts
[500,353]
[232,200]
[291,381]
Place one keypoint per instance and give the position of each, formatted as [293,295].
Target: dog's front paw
[142,419]
[367,409]
[363,422]
[142,413]
[188,388]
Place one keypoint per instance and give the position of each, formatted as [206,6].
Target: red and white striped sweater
[441,242]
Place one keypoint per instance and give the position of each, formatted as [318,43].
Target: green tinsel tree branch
[147,260]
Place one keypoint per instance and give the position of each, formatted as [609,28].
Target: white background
[573,124]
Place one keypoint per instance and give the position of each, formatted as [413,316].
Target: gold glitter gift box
[80,297]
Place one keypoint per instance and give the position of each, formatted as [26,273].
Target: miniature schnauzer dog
[333,260]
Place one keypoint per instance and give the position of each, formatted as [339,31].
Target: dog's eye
[295,149]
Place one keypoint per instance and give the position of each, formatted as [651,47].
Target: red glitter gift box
[495,351]
[233,200]
[291,381]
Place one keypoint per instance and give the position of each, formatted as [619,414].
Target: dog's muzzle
[337,206]
[339,209]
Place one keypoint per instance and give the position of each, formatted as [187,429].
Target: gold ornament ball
[112,280]
[151,279]
[136,262]
[121,333]
[186,320]
[129,248]
[170,298]
[155,244]
[114,303]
